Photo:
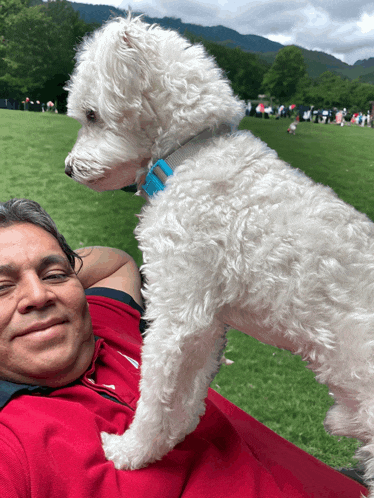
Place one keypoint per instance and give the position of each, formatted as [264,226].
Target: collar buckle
[156,177]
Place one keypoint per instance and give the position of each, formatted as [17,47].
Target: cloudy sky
[343,28]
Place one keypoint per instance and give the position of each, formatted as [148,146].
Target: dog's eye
[91,116]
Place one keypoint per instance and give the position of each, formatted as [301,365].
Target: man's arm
[112,268]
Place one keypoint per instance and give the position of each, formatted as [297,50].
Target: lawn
[272,385]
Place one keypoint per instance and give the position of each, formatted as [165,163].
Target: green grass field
[272,385]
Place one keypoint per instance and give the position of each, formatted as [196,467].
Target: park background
[38,42]
[37,51]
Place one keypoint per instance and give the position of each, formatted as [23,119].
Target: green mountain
[365,63]
[220,34]
[317,62]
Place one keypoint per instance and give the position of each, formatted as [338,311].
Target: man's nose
[35,294]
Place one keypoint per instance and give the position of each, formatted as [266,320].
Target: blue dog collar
[156,177]
[163,168]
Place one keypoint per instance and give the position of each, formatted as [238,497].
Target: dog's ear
[126,32]
[127,39]
[123,71]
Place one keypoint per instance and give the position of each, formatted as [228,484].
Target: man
[70,345]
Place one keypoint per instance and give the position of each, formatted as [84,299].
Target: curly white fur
[237,237]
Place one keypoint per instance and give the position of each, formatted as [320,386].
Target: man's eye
[4,286]
[56,276]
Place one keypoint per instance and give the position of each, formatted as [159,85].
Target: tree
[288,70]
[244,69]
[27,47]
[330,90]
[361,95]
[8,8]
[40,48]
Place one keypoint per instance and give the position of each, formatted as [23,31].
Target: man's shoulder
[115,309]
[116,295]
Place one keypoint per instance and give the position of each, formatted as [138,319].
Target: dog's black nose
[68,170]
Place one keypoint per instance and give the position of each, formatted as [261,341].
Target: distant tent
[9,104]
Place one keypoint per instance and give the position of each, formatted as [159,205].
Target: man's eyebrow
[7,269]
[51,259]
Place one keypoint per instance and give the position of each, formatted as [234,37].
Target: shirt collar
[9,390]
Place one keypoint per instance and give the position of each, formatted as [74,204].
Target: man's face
[45,328]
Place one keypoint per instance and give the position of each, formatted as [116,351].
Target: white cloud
[282,39]
[344,28]
[366,24]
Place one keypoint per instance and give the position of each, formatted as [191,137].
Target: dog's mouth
[130,188]
[127,176]
[136,186]
[109,181]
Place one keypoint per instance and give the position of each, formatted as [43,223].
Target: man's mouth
[41,326]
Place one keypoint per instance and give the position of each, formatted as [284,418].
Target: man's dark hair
[26,211]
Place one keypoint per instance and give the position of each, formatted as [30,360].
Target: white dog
[237,237]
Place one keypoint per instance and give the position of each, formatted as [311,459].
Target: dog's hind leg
[366,454]
[177,369]
[356,419]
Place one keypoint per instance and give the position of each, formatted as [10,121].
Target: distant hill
[96,13]
[220,34]
[317,62]
[365,63]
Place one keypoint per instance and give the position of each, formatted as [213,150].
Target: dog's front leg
[178,365]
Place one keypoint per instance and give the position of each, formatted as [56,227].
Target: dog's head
[138,90]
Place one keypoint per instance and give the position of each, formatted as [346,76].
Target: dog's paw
[117,451]
[125,453]
[113,449]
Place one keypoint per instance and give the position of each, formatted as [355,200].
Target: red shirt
[50,443]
